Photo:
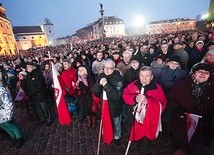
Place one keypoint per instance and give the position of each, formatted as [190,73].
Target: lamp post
[102,12]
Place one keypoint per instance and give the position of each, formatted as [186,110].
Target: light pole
[102,12]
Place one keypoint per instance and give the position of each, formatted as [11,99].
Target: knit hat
[23,73]
[31,63]
[202,66]
[175,58]
[178,43]
[199,42]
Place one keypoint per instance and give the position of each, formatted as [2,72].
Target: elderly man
[125,64]
[111,82]
[35,88]
[184,56]
[147,99]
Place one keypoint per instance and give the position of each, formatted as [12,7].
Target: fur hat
[23,73]
[202,66]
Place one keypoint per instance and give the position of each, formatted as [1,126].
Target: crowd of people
[150,81]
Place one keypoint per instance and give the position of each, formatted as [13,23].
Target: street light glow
[139,21]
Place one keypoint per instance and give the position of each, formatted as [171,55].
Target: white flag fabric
[63,113]
[192,122]
[140,109]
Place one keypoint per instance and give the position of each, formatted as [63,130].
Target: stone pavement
[75,139]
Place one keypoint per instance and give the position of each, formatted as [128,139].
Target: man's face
[201,76]
[145,77]
[144,49]
[135,64]
[47,67]
[29,68]
[108,68]
[99,56]
[126,58]
[159,61]
[173,65]
[211,47]
[177,46]
[164,48]
[210,57]
[66,65]
[115,56]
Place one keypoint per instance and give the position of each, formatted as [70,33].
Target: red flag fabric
[63,113]
[151,124]
[192,122]
[107,130]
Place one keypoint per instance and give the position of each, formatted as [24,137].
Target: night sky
[71,15]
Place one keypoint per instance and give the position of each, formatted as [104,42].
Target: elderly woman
[193,95]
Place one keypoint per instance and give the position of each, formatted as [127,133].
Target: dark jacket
[131,75]
[113,90]
[36,86]
[181,100]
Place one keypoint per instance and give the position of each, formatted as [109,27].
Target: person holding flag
[192,104]
[148,101]
[110,84]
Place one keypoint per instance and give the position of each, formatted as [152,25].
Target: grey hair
[147,68]
[110,61]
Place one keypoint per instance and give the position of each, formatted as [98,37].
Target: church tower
[47,27]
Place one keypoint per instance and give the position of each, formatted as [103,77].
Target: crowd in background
[113,64]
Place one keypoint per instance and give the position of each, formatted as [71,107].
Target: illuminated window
[1,24]
[6,40]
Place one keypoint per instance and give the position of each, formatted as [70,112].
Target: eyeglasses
[108,68]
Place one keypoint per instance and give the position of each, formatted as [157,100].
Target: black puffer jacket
[113,90]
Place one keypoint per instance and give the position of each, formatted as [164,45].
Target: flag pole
[127,149]
[98,147]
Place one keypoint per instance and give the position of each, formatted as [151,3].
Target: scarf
[82,78]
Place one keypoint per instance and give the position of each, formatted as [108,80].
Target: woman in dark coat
[193,95]
[84,95]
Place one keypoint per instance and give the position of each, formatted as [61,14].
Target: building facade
[7,40]
[113,27]
[29,37]
[170,26]
[48,29]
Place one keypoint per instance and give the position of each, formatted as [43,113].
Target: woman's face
[201,76]
[82,71]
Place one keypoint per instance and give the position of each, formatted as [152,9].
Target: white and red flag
[107,130]
[192,122]
[62,108]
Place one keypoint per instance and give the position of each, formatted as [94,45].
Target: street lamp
[102,12]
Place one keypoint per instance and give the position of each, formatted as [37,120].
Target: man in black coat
[112,83]
[36,90]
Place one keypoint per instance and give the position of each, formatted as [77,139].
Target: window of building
[50,31]
[7,26]
[32,37]
[1,24]
[6,40]
[24,37]
[40,37]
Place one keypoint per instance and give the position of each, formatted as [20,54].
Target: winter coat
[168,77]
[35,86]
[131,75]
[184,56]
[195,56]
[113,91]
[69,79]
[122,67]
[155,98]
[181,100]
[6,105]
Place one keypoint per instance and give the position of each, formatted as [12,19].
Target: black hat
[211,42]
[178,43]
[116,53]
[135,57]
[175,58]
[202,66]
[32,64]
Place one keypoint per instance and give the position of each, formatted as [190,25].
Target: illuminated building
[7,40]
[170,26]
[113,26]
[29,37]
